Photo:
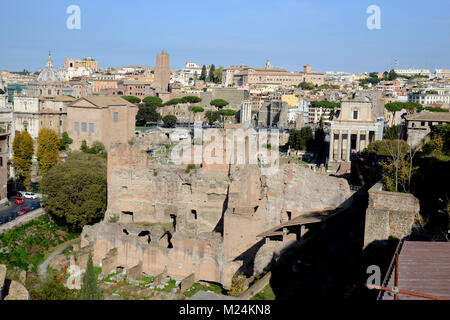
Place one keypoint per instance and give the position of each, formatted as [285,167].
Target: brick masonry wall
[389,214]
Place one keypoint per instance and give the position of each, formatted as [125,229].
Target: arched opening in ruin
[125,231]
[165,240]
[289,215]
[174,221]
[145,233]
[194,213]
[128,215]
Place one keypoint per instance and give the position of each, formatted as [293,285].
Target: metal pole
[396,276]
[410,293]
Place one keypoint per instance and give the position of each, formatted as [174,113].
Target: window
[355,114]
[76,126]
[116,116]
[91,127]
[1,161]
[83,127]
[60,122]
[51,123]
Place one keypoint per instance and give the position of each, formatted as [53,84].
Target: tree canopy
[325,104]
[75,190]
[384,147]
[191,99]
[211,73]
[65,141]
[90,289]
[169,121]
[132,99]
[219,103]
[227,112]
[48,149]
[204,74]
[148,112]
[212,116]
[153,101]
[302,139]
[23,151]
[196,109]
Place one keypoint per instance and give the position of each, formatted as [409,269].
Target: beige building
[4,156]
[355,127]
[108,119]
[53,113]
[419,125]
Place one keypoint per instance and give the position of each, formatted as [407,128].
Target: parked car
[35,205]
[23,210]
[18,200]
[30,195]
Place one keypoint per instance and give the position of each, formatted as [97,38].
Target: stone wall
[389,214]
[22,220]
[203,222]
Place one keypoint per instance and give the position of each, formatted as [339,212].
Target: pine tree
[48,149]
[23,151]
[90,290]
[211,77]
[203,74]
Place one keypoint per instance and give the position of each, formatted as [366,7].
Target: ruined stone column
[339,155]
[367,138]
[358,141]
[349,142]
[331,151]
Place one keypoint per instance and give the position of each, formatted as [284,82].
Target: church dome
[49,74]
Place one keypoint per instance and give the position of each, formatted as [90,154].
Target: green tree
[302,139]
[204,74]
[195,110]
[65,141]
[219,103]
[97,148]
[226,113]
[132,99]
[211,73]
[153,101]
[386,147]
[90,289]
[2,92]
[218,75]
[392,75]
[53,289]
[148,112]
[23,151]
[169,120]
[48,149]
[84,147]
[306,86]
[75,190]
[212,116]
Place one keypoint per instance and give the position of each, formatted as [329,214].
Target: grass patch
[196,287]
[28,244]
[265,294]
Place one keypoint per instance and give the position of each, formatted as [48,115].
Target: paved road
[9,213]
[42,269]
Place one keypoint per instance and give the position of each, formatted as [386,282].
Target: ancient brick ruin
[162,218]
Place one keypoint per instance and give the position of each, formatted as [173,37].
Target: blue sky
[328,34]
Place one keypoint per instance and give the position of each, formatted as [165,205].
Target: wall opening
[128,214]
[289,215]
[194,213]
[145,233]
[125,231]
[174,221]
[165,240]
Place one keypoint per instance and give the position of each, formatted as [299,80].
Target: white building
[413,72]
[189,74]
[26,115]
[428,96]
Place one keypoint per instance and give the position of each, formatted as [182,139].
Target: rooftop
[101,102]
[424,267]
[429,116]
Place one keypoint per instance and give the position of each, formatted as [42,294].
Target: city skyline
[323,34]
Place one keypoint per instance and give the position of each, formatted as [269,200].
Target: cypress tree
[203,74]
[211,73]
[90,290]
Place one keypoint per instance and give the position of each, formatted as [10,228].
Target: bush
[169,121]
